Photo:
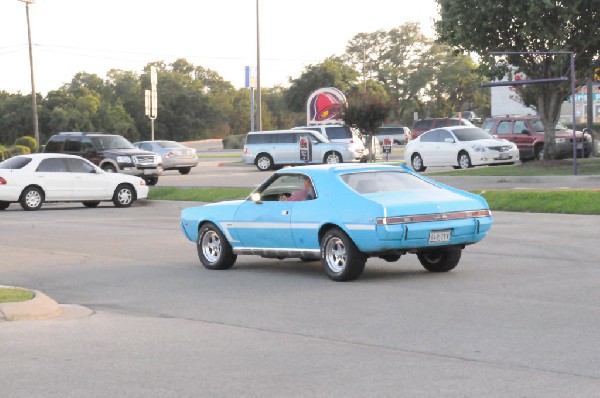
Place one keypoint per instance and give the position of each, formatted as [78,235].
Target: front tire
[214,251]
[264,162]
[32,198]
[332,158]
[151,181]
[416,162]
[440,260]
[4,205]
[109,168]
[124,196]
[185,170]
[91,205]
[341,259]
[464,160]
[539,153]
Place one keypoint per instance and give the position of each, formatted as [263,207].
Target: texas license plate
[439,236]
[504,155]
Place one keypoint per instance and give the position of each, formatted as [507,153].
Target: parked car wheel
[440,260]
[4,205]
[151,181]
[32,198]
[464,160]
[332,158]
[214,251]
[91,204]
[185,170]
[264,162]
[340,257]
[539,153]
[417,162]
[124,195]
[109,168]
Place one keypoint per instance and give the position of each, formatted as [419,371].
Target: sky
[94,36]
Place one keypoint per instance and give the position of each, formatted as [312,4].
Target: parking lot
[518,317]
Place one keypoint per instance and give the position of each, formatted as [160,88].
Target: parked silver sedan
[175,156]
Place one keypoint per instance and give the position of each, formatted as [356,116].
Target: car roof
[49,155]
[340,168]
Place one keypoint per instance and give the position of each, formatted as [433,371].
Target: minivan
[268,149]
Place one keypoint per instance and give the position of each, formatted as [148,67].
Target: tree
[330,73]
[484,26]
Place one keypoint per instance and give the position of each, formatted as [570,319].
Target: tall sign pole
[151,100]
[258,99]
[36,131]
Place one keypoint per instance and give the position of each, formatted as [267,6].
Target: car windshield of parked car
[15,163]
[169,144]
[111,142]
[385,181]
[471,134]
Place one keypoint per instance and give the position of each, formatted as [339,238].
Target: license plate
[439,236]
[504,155]
[149,171]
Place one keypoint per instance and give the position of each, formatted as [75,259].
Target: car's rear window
[15,163]
[385,181]
[339,133]
[169,144]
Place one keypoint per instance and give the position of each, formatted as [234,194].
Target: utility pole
[258,99]
[36,130]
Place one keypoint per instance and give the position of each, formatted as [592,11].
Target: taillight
[2,181]
[245,150]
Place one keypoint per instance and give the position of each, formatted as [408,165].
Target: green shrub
[19,150]
[3,153]
[27,141]
[234,141]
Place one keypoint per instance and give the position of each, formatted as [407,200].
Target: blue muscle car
[342,214]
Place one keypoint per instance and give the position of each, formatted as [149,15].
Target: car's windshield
[384,181]
[111,142]
[471,134]
[15,163]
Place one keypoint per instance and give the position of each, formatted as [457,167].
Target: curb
[39,307]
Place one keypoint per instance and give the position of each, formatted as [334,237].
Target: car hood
[412,202]
[490,142]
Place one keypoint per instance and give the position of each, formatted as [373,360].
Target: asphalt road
[518,317]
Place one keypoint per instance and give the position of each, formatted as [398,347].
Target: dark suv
[422,125]
[527,131]
[112,153]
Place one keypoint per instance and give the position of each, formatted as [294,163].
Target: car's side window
[520,127]
[145,146]
[73,145]
[431,136]
[285,186]
[79,166]
[504,127]
[52,165]
[87,145]
[443,135]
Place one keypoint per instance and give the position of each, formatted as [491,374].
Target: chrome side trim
[434,217]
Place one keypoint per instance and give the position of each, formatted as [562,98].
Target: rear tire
[440,260]
[214,251]
[151,181]
[91,204]
[416,161]
[32,198]
[264,162]
[185,170]
[341,259]
[332,158]
[4,205]
[124,196]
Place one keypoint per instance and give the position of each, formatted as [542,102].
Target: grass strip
[205,194]
[563,167]
[13,294]
[559,202]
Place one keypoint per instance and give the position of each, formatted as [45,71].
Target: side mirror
[526,132]
[255,197]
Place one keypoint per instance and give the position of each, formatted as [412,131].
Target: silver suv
[267,149]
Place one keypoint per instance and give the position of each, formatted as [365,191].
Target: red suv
[528,133]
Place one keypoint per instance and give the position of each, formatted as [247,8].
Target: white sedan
[34,179]
[460,147]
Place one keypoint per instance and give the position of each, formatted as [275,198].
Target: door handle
[285,212]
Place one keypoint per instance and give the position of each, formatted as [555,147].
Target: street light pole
[36,131]
[258,99]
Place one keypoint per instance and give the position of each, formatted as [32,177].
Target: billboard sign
[325,105]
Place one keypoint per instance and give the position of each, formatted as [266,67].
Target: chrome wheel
[335,255]
[211,247]
[417,162]
[264,162]
[123,196]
